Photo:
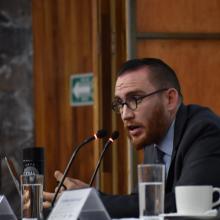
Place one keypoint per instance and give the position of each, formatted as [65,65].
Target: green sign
[81,87]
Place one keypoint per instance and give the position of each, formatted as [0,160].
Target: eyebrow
[136,92]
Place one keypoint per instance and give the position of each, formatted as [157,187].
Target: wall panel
[63,46]
[70,37]
[178,16]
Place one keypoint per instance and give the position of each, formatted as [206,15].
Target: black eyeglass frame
[116,106]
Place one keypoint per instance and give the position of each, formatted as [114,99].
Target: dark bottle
[33,160]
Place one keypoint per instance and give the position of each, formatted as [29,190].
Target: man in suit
[148,98]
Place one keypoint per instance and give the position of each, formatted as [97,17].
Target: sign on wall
[81,89]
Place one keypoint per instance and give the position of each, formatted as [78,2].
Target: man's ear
[172,99]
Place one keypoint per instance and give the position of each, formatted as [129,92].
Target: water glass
[32,196]
[151,183]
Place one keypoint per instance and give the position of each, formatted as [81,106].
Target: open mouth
[132,127]
[134,130]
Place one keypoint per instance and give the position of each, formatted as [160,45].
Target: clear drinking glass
[32,196]
[151,182]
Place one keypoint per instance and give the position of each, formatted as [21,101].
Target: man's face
[149,122]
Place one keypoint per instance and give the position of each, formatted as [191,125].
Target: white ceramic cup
[195,199]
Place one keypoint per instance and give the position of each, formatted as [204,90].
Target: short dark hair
[163,76]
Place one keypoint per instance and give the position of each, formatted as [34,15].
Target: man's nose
[126,113]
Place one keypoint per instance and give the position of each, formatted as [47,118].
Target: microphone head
[101,133]
[115,135]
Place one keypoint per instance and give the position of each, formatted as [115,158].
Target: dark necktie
[159,155]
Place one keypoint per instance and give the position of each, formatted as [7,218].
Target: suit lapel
[181,118]
[179,127]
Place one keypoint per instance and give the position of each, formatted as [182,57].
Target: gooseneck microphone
[113,137]
[100,134]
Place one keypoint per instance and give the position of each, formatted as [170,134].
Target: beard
[155,130]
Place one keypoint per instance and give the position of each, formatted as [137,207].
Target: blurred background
[58,65]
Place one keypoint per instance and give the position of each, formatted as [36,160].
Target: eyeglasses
[133,101]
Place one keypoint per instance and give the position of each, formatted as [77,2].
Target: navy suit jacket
[195,160]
